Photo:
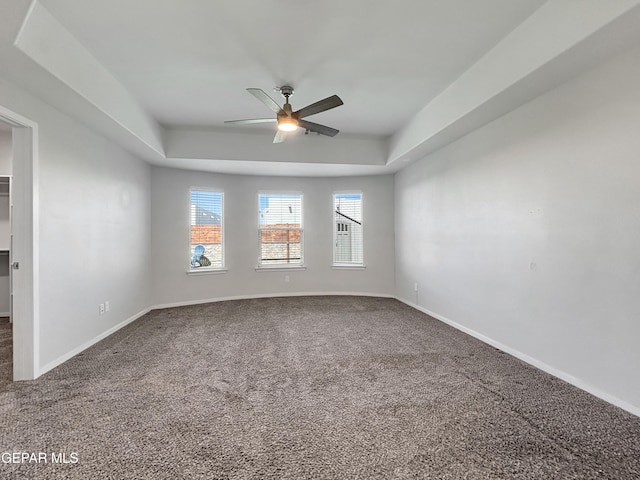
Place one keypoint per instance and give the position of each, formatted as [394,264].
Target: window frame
[344,265]
[211,269]
[280,266]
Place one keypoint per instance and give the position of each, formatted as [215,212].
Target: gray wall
[5,150]
[527,231]
[170,237]
[94,229]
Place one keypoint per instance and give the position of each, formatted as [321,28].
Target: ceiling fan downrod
[286,92]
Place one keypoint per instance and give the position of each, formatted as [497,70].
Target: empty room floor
[308,388]
[6,350]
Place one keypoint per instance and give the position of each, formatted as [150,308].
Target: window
[207,230]
[347,229]
[280,229]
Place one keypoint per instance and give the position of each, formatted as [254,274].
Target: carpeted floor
[6,352]
[308,388]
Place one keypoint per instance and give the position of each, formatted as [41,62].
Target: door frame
[26,312]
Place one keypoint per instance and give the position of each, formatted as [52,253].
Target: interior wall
[526,231]
[5,151]
[94,230]
[170,238]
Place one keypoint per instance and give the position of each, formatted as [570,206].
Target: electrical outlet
[415,287]
[286,278]
[101,308]
[107,307]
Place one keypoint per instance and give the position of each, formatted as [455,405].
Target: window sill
[209,271]
[344,266]
[275,268]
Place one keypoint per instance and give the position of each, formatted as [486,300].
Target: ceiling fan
[287,119]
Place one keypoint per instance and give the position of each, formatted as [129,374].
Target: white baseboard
[60,360]
[5,314]
[562,375]
[268,295]
[63,358]
[494,343]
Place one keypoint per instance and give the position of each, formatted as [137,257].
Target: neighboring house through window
[280,229]
[207,230]
[347,229]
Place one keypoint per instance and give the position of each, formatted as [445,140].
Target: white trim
[279,267]
[348,266]
[26,225]
[25,20]
[186,303]
[515,353]
[277,191]
[210,271]
[562,375]
[67,356]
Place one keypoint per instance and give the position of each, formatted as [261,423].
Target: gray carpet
[309,388]
[6,352]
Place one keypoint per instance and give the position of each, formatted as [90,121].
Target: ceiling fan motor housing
[286,91]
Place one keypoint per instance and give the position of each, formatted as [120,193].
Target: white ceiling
[160,71]
[188,62]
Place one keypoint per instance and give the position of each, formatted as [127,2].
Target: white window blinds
[280,229]
[207,230]
[347,228]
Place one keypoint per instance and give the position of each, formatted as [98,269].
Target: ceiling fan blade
[316,127]
[321,106]
[279,138]
[266,99]
[252,120]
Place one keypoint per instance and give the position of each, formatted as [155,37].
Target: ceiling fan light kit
[287,119]
[287,125]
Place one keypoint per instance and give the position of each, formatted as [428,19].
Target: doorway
[21,248]
[6,332]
